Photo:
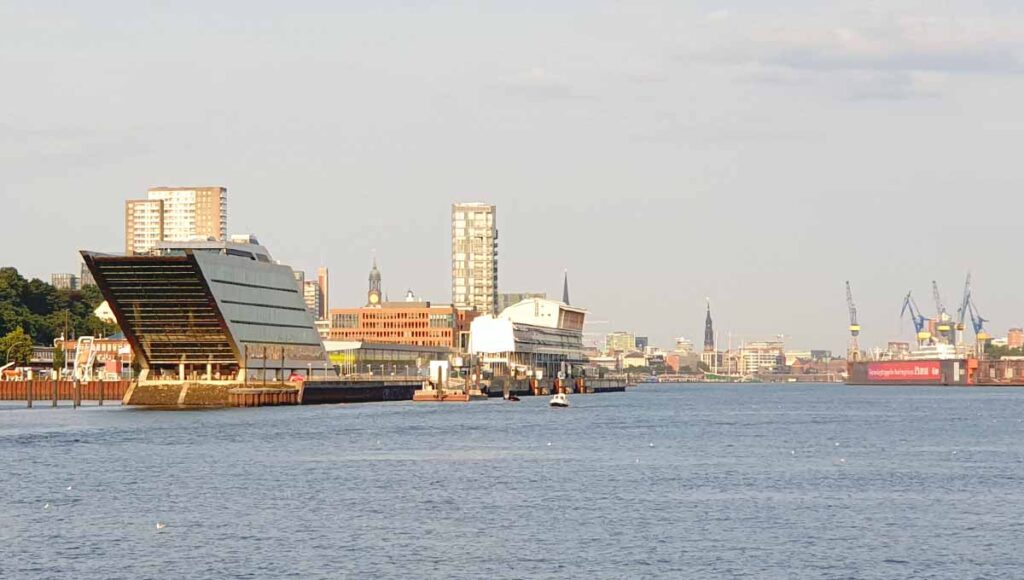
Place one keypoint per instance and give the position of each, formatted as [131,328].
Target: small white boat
[560,400]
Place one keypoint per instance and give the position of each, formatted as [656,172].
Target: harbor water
[678,481]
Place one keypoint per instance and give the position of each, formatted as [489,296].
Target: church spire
[565,288]
[373,294]
[374,276]
[709,332]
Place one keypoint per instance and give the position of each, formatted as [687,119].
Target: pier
[534,387]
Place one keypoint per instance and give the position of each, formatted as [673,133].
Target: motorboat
[559,400]
[511,397]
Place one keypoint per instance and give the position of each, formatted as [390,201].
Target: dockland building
[210,311]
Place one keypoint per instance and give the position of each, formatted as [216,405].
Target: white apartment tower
[175,214]
[314,299]
[143,225]
[475,257]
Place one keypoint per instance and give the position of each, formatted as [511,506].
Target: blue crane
[976,320]
[915,314]
[968,308]
[961,313]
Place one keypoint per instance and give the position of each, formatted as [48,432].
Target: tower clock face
[374,298]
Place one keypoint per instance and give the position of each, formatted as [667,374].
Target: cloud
[540,84]
[896,86]
[895,59]
[853,85]
[910,44]
[717,15]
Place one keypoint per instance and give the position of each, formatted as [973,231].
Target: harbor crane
[939,308]
[943,327]
[961,313]
[968,308]
[977,321]
[853,352]
[920,322]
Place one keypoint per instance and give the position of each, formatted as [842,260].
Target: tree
[59,357]
[997,352]
[16,347]
[42,311]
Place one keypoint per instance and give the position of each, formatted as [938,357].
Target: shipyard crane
[977,321]
[942,319]
[919,319]
[939,308]
[962,311]
[853,352]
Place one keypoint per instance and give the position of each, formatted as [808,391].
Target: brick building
[410,322]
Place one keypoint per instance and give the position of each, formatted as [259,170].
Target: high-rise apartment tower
[475,257]
[323,280]
[175,214]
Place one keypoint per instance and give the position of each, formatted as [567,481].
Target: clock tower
[373,295]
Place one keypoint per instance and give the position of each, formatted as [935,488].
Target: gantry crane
[920,322]
[853,352]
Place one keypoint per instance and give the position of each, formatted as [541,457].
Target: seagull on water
[160,525]
[46,507]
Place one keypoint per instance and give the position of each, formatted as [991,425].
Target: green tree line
[997,352]
[41,311]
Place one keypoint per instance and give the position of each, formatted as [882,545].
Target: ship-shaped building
[211,311]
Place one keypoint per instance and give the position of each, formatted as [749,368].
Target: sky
[755,153]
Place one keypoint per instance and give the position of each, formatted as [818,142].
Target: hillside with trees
[42,311]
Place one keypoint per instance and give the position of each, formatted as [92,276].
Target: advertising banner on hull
[904,371]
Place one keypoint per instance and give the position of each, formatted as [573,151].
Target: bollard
[28,393]
[53,403]
[101,393]
[74,395]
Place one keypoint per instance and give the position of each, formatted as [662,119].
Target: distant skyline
[756,153]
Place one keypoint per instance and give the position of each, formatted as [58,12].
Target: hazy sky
[756,152]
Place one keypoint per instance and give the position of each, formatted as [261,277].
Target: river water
[663,481]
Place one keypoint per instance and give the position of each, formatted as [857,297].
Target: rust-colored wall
[42,390]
